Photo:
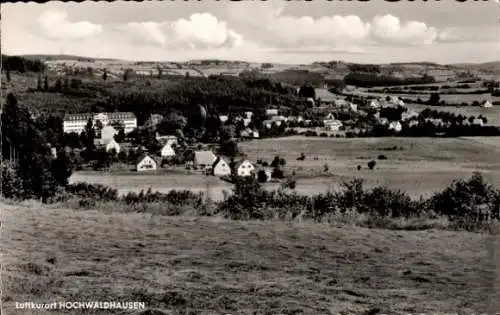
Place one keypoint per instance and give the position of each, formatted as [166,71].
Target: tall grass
[471,204]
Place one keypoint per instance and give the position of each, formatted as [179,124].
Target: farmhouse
[77,122]
[146,163]
[112,145]
[221,168]
[167,150]
[204,159]
[244,168]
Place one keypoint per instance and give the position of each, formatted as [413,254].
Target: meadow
[419,166]
[187,265]
[492,113]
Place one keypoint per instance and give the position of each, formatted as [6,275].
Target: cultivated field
[420,166]
[213,266]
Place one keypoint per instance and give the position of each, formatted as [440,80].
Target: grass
[216,266]
[492,113]
[422,167]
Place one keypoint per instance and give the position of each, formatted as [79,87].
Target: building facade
[77,122]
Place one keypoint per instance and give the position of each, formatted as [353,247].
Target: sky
[275,31]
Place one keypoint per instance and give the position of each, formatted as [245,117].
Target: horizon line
[246,61]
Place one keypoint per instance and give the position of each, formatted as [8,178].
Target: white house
[486,104]
[396,126]
[112,144]
[249,115]
[147,163]
[244,168]
[221,168]
[246,121]
[204,159]
[167,150]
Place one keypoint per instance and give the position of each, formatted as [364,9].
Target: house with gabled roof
[244,168]
[221,167]
[147,163]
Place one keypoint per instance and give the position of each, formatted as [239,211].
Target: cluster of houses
[208,163]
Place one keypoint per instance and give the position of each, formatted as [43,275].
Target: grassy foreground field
[213,266]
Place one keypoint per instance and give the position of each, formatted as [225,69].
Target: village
[117,133]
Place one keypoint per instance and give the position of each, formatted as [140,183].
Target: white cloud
[200,31]
[389,29]
[274,28]
[204,30]
[54,24]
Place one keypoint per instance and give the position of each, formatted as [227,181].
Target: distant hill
[326,69]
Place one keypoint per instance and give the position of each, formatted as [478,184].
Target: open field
[214,266]
[422,167]
[449,98]
[492,113]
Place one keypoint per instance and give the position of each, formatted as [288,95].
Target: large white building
[77,122]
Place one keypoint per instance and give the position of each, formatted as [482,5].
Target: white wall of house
[222,168]
[146,164]
[245,169]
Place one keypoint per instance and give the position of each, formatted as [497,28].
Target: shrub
[371,164]
[382,157]
[246,202]
[359,167]
[325,168]
[278,173]
[384,202]
[262,176]
[468,203]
